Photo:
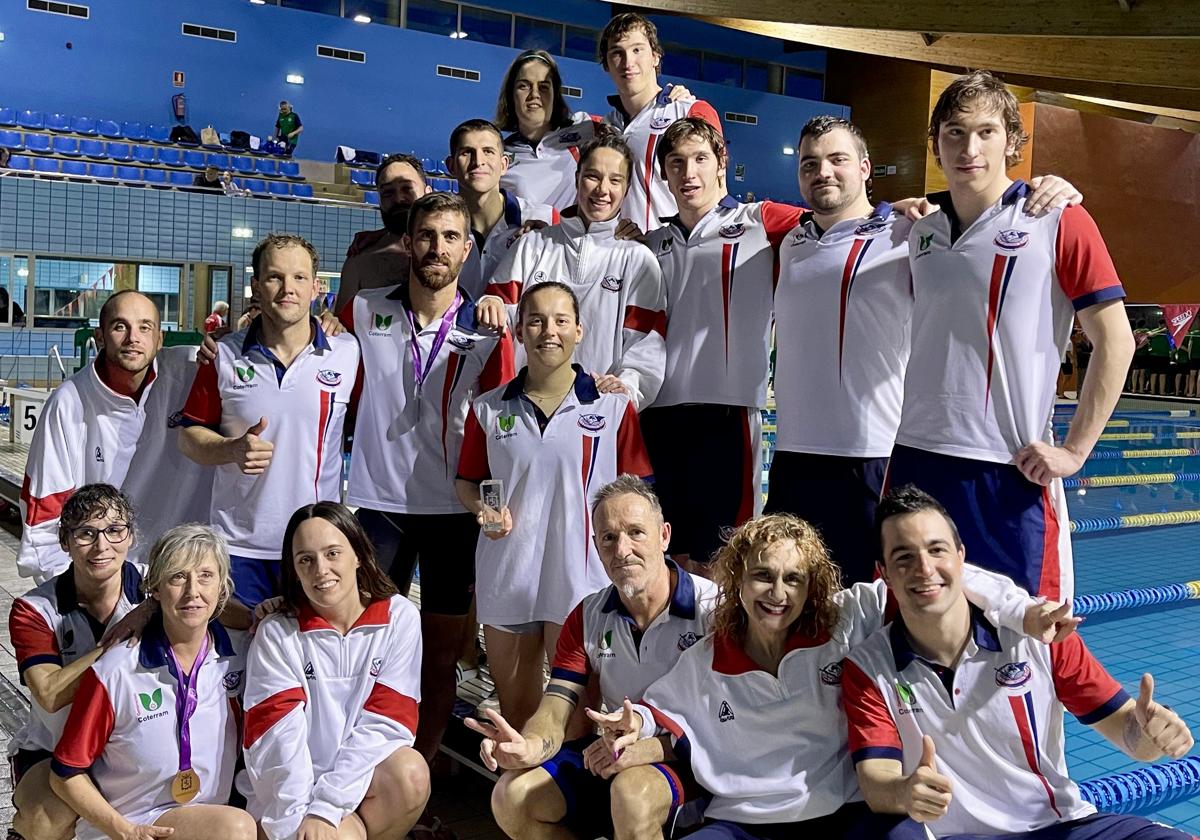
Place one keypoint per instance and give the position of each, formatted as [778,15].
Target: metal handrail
[53,355]
[89,347]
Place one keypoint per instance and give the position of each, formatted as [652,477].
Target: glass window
[804,85]
[69,293]
[581,43]
[14,279]
[432,16]
[538,35]
[326,7]
[757,77]
[722,70]
[681,62]
[487,26]
[379,11]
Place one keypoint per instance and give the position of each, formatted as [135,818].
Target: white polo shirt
[305,406]
[123,728]
[48,627]
[993,309]
[487,251]
[551,472]
[773,749]
[87,434]
[600,637]
[407,439]
[649,200]
[842,312]
[720,280]
[622,299]
[996,720]
[323,710]
[544,172]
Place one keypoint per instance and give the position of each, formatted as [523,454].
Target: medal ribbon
[421,371]
[186,699]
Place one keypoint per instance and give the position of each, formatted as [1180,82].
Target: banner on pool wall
[1179,317]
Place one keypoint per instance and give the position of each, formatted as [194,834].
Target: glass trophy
[491,496]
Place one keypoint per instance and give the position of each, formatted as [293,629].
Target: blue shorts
[589,811]
[1095,827]
[853,821]
[1007,523]
[254,580]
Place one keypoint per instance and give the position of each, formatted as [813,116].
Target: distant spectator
[5,154]
[217,317]
[231,186]
[252,312]
[210,178]
[288,126]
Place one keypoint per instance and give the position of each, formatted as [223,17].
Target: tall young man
[424,360]
[995,293]
[377,258]
[642,110]
[497,216]
[959,724]
[281,383]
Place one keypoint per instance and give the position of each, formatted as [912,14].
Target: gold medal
[185,786]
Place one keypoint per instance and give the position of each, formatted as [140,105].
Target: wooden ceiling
[1144,52]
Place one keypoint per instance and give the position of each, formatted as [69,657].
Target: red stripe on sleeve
[32,637]
[44,509]
[868,718]
[707,113]
[778,219]
[346,316]
[472,460]
[1081,683]
[89,725]
[645,320]
[665,722]
[203,404]
[570,654]
[500,366]
[1082,261]
[262,716]
[631,449]
[386,702]
[508,291]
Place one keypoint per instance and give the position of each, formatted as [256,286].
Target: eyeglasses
[86,535]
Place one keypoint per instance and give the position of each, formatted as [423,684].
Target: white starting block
[25,410]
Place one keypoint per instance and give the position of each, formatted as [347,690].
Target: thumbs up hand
[927,796]
[1157,724]
[250,452]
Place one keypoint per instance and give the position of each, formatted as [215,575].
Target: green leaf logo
[244,373]
[507,421]
[606,641]
[905,693]
[923,242]
[383,322]
[151,702]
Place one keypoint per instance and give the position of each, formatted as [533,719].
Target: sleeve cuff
[1099,296]
[327,811]
[569,675]
[868,753]
[187,422]
[650,726]
[66,771]
[37,659]
[1105,709]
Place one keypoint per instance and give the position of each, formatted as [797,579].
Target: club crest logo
[382,322]
[376,666]
[245,374]
[232,681]
[151,702]
[592,422]
[461,342]
[725,712]
[870,228]
[659,123]
[732,231]
[506,422]
[538,277]
[1013,675]
[611,284]
[831,674]
[332,378]
[1011,240]
[686,640]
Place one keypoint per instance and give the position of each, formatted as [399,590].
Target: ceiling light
[22,272]
[294,79]
[458,34]
[361,18]
[788,150]
[258,2]
[242,233]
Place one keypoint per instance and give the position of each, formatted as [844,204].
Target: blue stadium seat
[74,168]
[93,149]
[279,188]
[290,169]
[218,159]
[371,197]
[129,174]
[362,177]
[83,125]
[119,152]
[108,128]
[302,190]
[243,164]
[100,171]
[195,159]
[133,131]
[11,140]
[266,166]
[179,179]
[31,119]
[46,165]
[68,146]
[8,116]
[155,177]
[255,185]
[20,163]
[170,157]
[58,122]
[158,133]
[37,143]
[145,154]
